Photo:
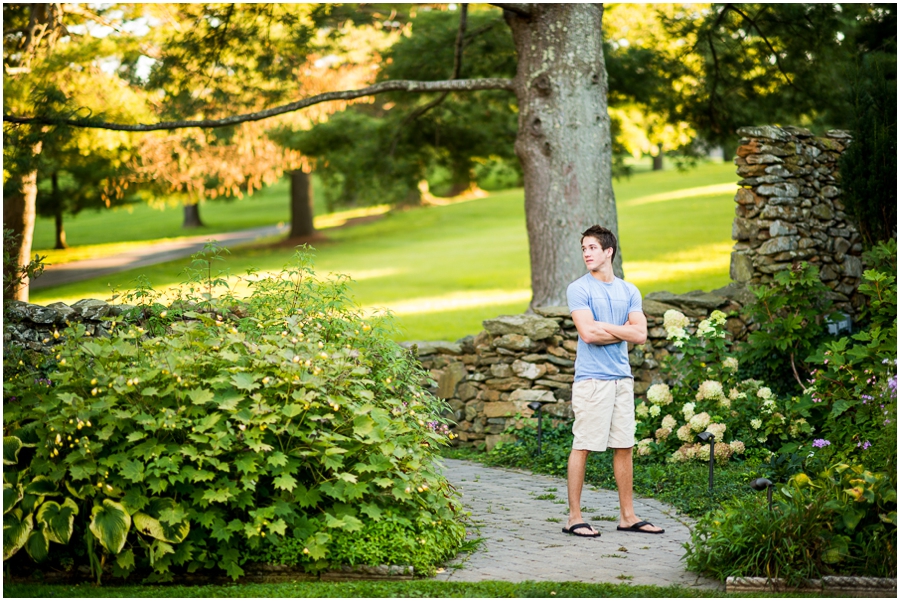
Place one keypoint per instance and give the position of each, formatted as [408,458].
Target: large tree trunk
[564,141]
[19,211]
[301,205]
[58,216]
[192,216]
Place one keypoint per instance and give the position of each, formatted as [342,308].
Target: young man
[607,313]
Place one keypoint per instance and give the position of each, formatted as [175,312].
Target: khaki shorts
[604,414]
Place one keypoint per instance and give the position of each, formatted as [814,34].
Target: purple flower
[820,442]
[864,445]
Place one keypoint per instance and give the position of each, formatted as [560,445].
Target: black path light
[536,407]
[711,439]
[761,484]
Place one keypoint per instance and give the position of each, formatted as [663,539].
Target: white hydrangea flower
[704,329]
[761,439]
[756,424]
[730,363]
[717,430]
[659,394]
[737,447]
[688,411]
[717,318]
[768,406]
[684,433]
[654,410]
[641,410]
[675,319]
[669,422]
[725,402]
[734,394]
[764,393]
[710,390]
[643,447]
[699,422]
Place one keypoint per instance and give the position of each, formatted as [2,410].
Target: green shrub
[744,415]
[842,522]
[854,383]
[791,312]
[239,425]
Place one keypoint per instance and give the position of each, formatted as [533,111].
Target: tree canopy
[674,74]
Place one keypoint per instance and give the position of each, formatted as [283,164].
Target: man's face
[593,254]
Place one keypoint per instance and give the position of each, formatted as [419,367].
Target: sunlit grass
[442,270]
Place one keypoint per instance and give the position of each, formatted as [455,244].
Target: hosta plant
[214,429]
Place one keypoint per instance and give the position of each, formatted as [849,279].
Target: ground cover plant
[214,431]
[442,270]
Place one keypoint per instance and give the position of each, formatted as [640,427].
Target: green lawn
[443,270]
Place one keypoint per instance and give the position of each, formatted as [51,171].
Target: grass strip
[416,588]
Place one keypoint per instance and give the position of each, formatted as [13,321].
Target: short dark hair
[606,238]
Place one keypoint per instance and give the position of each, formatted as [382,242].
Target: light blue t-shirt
[610,303]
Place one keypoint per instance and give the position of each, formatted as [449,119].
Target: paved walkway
[522,537]
[66,273]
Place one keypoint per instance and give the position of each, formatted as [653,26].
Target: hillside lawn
[441,270]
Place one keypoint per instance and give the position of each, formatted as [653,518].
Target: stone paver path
[522,537]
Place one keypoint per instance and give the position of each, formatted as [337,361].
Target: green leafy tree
[735,64]
[869,165]
[746,64]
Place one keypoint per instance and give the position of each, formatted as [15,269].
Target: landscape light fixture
[711,439]
[536,407]
[764,484]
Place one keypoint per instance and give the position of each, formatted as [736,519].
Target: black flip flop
[576,526]
[637,528]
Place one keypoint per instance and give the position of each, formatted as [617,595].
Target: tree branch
[400,85]
[765,40]
[523,10]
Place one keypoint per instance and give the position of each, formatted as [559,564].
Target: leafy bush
[242,426]
[842,522]
[707,395]
[854,383]
[791,312]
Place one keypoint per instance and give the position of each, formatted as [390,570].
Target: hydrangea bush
[708,396]
[240,427]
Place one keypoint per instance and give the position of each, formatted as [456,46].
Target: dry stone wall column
[564,139]
[789,210]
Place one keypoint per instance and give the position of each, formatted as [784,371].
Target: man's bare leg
[574,484]
[623,470]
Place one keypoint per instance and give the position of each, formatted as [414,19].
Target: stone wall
[789,209]
[39,328]
[490,379]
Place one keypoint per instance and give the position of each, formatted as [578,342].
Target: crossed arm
[601,333]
